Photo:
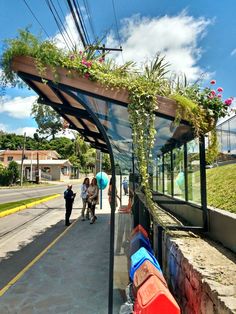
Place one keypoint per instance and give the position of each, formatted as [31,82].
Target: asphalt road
[26,233]
[11,195]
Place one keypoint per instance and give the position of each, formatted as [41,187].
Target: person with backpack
[69,197]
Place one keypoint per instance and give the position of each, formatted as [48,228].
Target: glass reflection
[160,174]
[193,166]
[178,171]
[167,174]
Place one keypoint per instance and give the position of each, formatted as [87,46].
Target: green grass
[6,206]
[221,187]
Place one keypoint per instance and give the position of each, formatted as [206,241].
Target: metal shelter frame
[66,97]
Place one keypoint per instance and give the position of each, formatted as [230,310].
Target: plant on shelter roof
[196,105]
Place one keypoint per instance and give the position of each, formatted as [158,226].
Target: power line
[57,23]
[116,23]
[80,16]
[117,29]
[88,12]
[63,26]
[76,23]
[64,16]
[36,18]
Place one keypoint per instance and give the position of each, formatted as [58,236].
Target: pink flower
[228,101]
[219,96]
[101,60]
[220,89]
[213,93]
[72,57]
[210,96]
[213,82]
[86,75]
[86,63]
[80,52]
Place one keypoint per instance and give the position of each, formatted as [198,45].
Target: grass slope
[6,206]
[221,187]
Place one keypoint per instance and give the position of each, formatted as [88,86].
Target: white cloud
[28,130]
[3,127]
[20,131]
[233,52]
[176,37]
[17,107]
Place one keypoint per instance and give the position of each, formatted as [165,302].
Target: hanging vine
[200,107]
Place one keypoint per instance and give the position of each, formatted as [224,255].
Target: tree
[106,163]
[48,120]
[63,145]
[13,141]
[9,175]
[14,172]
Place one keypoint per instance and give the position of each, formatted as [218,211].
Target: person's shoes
[68,224]
[83,219]
[92,220]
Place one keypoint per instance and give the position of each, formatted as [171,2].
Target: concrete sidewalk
[72,276]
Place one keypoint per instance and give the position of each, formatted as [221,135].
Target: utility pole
[37,171]
[22,161]
[103,48]
[31,167]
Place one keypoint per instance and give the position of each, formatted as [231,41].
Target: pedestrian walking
[125,186]
[69,197]
[93,199]
[84,196]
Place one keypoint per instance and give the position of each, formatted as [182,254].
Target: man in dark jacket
[69,197]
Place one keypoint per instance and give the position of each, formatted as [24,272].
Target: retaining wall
[199,276]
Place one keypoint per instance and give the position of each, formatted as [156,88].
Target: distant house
[43,162]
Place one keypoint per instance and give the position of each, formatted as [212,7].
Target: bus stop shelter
[101,116]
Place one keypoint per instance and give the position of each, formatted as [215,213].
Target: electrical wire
[81,20]
[36,18]
[76,23]
[88,12]
[117,29]
[116,23]
[63,26]
[64,16]
[57,23]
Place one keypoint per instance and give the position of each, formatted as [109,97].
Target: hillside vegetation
[221,187]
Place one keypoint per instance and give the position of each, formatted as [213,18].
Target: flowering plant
[197,106]
[210,99]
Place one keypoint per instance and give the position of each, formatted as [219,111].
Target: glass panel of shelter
[170,173]
[193,168]
[168,169]
[114,119]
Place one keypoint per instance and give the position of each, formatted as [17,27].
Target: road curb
[19,208]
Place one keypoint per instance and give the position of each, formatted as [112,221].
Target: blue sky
[195,36]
